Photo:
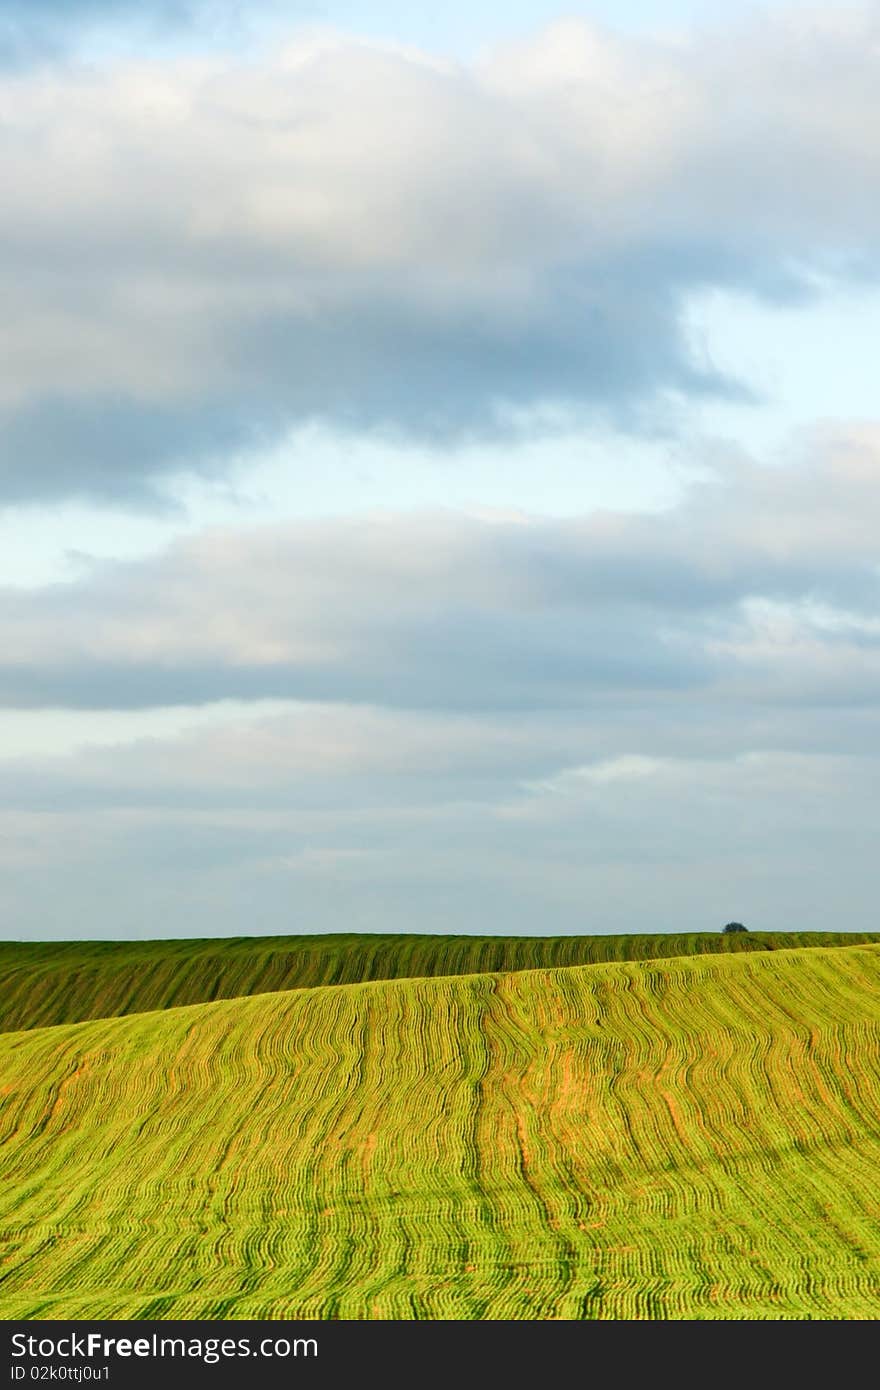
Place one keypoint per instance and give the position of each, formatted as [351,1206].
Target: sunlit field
[689,1137]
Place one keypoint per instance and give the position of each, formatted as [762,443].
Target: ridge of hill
[690,1137]
[46,983]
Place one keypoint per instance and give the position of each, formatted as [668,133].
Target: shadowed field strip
[691,1137]
[44,983]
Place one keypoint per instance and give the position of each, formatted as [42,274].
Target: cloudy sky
[439,466]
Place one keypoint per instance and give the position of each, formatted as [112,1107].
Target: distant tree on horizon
[733,927]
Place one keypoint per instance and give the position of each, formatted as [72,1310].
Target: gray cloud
[196,254]
[33,31]
[115,449]
[629,844]
[615,722]
[339,764]
[761,586]
[72,10]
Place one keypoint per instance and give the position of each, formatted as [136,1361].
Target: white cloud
[196,253]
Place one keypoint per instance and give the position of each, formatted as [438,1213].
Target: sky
[439,467]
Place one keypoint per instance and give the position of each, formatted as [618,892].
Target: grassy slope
[45,983]
[691,1137]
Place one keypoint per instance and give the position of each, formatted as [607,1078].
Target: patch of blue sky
[463,29]
[812,364]
[457,29]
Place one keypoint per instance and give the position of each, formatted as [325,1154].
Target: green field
[689,1137]
[43,983]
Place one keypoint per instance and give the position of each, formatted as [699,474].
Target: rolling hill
[690,1137]
[44,983]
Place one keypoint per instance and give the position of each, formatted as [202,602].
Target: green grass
[44,983]
[683,1138]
